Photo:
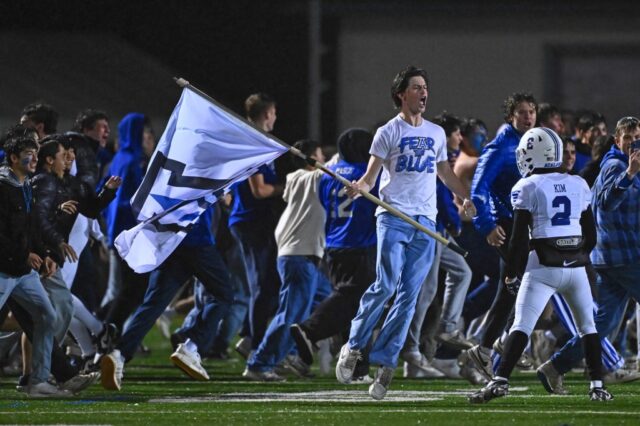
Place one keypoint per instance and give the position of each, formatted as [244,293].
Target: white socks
[191,346]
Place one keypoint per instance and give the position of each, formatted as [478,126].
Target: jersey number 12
[344,206]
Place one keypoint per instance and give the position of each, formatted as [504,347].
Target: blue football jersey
[350,223]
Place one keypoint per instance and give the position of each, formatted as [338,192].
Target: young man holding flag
[410,151]
[213,149]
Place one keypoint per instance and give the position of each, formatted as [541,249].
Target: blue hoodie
[616,209]
[495,175]
[127,163]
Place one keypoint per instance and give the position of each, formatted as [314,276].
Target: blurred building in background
[328,63]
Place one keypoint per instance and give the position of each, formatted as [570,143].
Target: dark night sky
[227,49]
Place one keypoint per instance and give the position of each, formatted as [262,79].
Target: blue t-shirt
[350,223]
[246,207]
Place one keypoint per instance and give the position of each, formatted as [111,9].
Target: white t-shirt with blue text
[410,156]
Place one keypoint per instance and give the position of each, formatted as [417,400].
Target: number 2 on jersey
[344,206]
[561,217]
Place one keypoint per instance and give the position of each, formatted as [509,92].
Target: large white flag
[202,152]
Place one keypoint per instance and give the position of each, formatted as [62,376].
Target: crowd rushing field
[155,392]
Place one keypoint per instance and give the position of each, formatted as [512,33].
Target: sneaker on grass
[495,389]
[621,375]
[380,385]
[80,382]
[480,358]
[551,379]
[189,362]
[294,364]
[600,394]
[347,363]
[47,390]
[111,370]
[417,366]
[262,376]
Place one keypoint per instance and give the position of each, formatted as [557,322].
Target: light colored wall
[471,71]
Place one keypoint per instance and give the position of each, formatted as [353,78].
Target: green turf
[154,392]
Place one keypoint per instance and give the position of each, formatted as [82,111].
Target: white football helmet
[539,148]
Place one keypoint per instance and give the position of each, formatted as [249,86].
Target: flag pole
[312,162]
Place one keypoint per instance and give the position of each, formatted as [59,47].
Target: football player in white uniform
[552,211]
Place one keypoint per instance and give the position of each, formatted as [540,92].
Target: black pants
[129,297]
[351,272]
[502,307]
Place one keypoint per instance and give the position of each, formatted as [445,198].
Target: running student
[411,151]
[554,207]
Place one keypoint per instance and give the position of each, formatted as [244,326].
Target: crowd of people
[293,267]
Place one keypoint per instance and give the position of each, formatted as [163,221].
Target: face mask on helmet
[539,148]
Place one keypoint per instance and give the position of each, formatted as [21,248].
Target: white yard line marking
[333,411]
[323,396]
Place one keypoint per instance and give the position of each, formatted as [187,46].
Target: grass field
[155,392]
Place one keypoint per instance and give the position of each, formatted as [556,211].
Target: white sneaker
[347,363]
[472,375]
[417,366]
[449,367]
[551,379]
[621,375]
[525,362]
[480,357]
[80,382]
[111,369]
[47,390]
[380,385]
[189,362]
[294,364]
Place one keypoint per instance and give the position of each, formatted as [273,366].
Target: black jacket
[87,159]
[50,192]
[19,230]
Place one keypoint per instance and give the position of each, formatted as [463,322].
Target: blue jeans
[229,324]
[233,321]
[28,292]
[301,280]
[258,248]
[205,264]
[615,286]
[404,258]
[62,302]
[456,286]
